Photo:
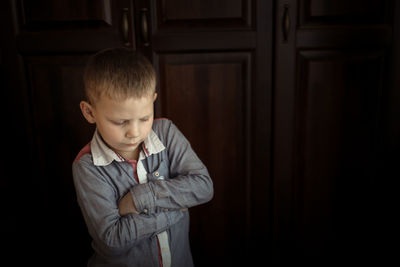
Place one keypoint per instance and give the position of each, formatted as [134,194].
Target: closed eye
[120,122]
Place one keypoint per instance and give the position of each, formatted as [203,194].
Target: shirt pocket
[160,173]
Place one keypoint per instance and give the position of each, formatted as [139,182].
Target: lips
[134,144]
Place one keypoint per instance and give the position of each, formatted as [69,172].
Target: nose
[133,131]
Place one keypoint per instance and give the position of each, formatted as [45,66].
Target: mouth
[134,144]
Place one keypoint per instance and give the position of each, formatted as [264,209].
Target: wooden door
[214,64]
[46,45]
[332,80]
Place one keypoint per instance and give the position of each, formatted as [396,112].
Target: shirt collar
[104,155]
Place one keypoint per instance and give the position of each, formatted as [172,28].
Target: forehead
[129,108]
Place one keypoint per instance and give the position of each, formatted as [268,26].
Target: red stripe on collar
[145,150]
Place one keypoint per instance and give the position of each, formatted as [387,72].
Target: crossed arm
[127,205]
[190,182]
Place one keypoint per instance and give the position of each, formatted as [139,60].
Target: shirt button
[157,174]
[145,211]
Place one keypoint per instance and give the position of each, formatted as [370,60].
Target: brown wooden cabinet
[290,103]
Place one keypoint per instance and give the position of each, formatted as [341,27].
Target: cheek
[148,127]
[110,133]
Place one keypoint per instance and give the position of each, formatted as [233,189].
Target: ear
[87,111]
[154,97]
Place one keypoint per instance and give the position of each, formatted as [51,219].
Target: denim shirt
[167,179]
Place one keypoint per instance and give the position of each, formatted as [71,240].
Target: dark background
[293,106]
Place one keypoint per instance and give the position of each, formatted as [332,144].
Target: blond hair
[118,73]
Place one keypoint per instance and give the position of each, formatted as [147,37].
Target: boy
[137,177]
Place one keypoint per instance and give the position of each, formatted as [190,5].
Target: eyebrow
[147,116]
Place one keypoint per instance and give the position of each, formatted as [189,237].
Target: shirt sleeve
[98,202]
[189,185]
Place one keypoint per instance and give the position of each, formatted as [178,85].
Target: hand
[126,205]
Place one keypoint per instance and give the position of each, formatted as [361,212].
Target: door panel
[74,26]
[222,14]
[47,11]
[197,25]
[60,131]
[337,107]
[208,97]
[342,12]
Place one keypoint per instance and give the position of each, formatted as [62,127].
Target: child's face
[123,125]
